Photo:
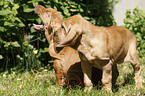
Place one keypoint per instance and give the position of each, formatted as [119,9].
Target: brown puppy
[103,48]
[66,60]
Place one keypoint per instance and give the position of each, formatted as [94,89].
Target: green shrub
[18,38]
[135,22]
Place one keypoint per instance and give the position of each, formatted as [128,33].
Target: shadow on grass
[128,79]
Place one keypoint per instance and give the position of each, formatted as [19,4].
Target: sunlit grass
[42,83]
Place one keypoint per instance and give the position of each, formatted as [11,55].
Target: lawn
[42,83]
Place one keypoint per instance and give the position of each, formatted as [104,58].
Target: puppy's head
[40,10]
[47,14]
[43,14]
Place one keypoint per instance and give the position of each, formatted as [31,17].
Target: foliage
[18,39]
[135,21]
[98,12]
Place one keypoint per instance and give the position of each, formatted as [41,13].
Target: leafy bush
[19,42]
[18,39]
[135,21]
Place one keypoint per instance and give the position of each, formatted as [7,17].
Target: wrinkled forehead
[40,9]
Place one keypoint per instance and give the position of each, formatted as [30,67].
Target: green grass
[42,83]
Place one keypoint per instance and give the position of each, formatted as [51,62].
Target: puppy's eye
[56,37]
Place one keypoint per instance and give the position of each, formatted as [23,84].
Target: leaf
[15,12]
[39,20]
[55,7]
[42,40]
[7,23]
[6,5]
[1,57]
[28,10]
[7,44]
[29,37]
[87,18]
[65,4]
[60,3]
[66,11]
[73,6]
[11,1]
[25,43]
[3,12]
[15,44]
[56,1]
[16,6]
[1,3]
[35,3]
[21,25]
[19,57]
[81,10]
[47,6]
[16,18]
[73,10]
[32,29]
[44,50]
[2,29]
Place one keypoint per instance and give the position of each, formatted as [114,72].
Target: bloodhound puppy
[101,47]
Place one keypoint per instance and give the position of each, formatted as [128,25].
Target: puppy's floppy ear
[73,33]
[69,38]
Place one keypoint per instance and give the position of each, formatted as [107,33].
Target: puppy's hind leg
[136,66]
